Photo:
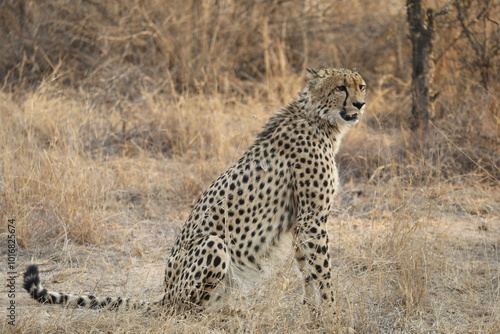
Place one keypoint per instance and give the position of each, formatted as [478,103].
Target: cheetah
[281,189]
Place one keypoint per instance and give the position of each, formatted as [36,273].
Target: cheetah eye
[341,88]
[362,87]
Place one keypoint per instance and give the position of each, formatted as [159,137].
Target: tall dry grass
[116,115]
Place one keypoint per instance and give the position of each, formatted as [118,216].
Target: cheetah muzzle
[280,192]
[349,118]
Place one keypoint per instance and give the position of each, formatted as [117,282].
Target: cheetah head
[336,95]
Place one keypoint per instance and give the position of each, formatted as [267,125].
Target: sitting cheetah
[282,186]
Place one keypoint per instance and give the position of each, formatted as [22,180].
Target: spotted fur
[281,189]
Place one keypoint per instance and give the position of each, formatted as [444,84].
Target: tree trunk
[421,30]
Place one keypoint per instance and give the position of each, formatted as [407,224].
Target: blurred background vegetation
[114,51]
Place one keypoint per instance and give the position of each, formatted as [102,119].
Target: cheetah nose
[358,105]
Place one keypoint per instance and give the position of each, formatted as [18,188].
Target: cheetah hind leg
[202,284]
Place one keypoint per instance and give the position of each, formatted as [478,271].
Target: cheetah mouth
[349,118]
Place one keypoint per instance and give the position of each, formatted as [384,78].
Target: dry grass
[115,117]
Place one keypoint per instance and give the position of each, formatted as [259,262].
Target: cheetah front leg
[311,253]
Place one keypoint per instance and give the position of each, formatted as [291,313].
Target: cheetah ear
[354,69]
[312,71]
[311,76]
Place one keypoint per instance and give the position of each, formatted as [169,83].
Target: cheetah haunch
[283,185]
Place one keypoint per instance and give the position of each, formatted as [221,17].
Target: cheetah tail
[34,287]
